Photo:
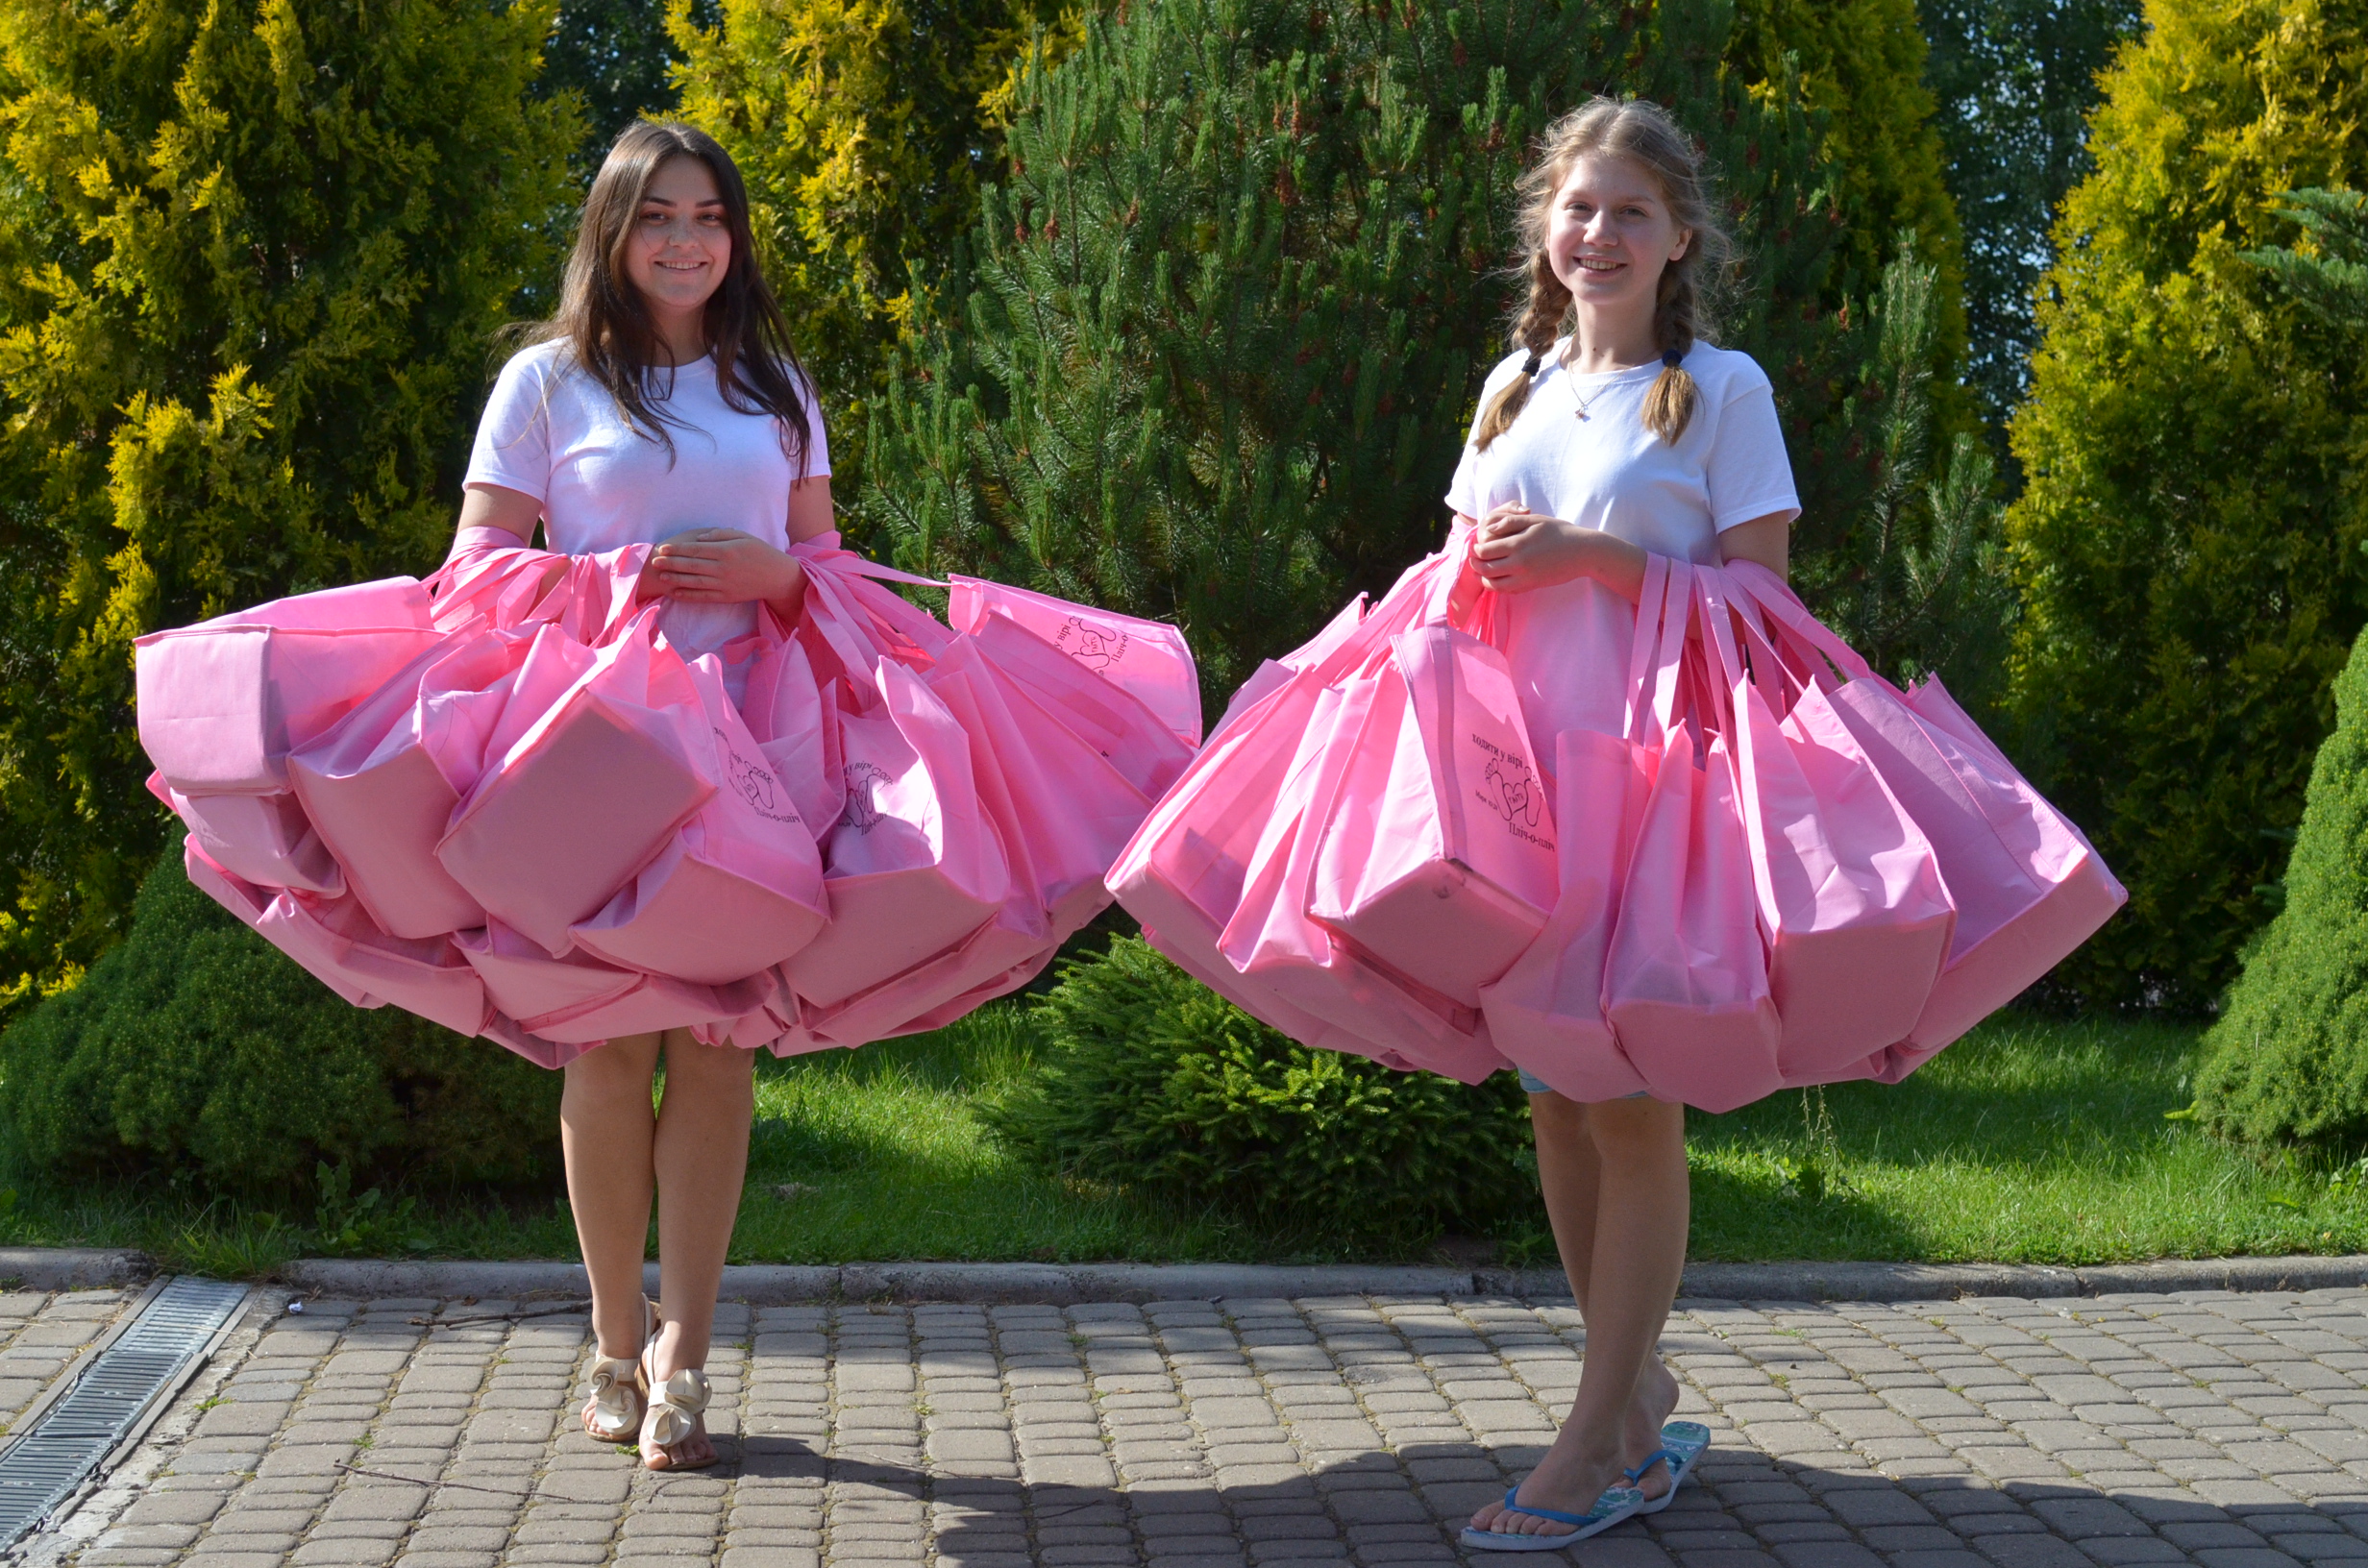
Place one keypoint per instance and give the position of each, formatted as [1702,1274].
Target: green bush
[1149,1080]
[195,1051]
[2288,1059]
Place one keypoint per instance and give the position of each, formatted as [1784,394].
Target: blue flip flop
[1618,1503]
[1682,1444]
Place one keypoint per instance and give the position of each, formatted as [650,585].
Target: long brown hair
[1645,133]
[605,322]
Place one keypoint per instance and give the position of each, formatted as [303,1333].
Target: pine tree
[863,128]
[2188,549]
[255,251]
[1214,348]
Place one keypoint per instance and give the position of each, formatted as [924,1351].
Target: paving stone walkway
[2229,1431]
[42,1334]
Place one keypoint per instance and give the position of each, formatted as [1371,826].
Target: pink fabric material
[1147,660]
[261,838]
[2027,886]
[1851,901]
[221,703]
[1222,871]
[1438,857]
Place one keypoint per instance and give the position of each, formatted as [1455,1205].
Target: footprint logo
[862,812]
[1516,796]
[1096,647]
[754,783]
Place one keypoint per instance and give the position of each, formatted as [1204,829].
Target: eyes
[1625,211]
[659,218]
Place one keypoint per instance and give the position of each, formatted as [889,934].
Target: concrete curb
[1063,1285]
[72,1268]
[44,1268]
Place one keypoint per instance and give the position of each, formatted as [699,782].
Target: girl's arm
[493,507]
[1516,550]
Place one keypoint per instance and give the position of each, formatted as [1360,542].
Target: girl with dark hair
[662,404]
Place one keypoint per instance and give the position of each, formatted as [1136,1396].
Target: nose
[1598,229]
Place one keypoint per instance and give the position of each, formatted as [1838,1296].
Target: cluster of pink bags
[1785,872]
[499,800]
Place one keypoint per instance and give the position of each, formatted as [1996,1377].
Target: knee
[1637,1129]
[618,1072]
[715,1073]
[1554,1118]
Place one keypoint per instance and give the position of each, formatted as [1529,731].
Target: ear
[1684,243]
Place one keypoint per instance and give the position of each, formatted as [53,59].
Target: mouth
[679,266]
[1599,264]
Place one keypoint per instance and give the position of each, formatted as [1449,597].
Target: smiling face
[679,245]
[1611,234]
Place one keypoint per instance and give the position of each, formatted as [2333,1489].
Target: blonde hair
[1645,133]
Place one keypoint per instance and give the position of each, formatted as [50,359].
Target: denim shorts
[1532,1084]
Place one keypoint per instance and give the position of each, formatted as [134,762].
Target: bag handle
[1773,595]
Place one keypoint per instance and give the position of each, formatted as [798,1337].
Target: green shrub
[197,1052]
[2188,550]
[1150,1080]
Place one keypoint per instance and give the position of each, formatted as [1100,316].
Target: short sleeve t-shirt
[551,431]
[1579,452]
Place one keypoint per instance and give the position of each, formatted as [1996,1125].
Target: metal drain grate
[41,1468]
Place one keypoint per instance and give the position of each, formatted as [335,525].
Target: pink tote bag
[1147,660]
[1685,981]
[1124,733]
[913,865]
[1851,901]
[579,1000]
[264,839]
[2027,886]
[383,784]
[1545,1014]
[739,889]
[1438,858]
[591,791]
[337,941]
[222,703]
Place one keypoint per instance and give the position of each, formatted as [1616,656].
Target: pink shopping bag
[589,793]
[383,783]
[1545,1014]
[2027,886]
[1147,660]
[343,947]
[223,702]
[1120,730]
[913,865]
[263,839]
[1438,858]
[1850,896]
[739,889]
[1686,982]
[579,1000]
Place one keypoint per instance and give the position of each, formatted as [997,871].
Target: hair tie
[1673,358]
[1529,369]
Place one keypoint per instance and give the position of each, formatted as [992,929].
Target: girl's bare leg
[701,1157]
[1617,1194]
[608,1131]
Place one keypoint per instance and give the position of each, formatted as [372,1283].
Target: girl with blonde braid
[1613,431]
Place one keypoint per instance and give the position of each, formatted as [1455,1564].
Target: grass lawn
[2032,1140]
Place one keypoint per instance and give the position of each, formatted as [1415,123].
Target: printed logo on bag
[1096,647]
[755,784]
[1510,791]
[862,813]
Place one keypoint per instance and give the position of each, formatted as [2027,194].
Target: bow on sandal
[613,1412]
[1682,1444]
[676,1405]
[1618,1503]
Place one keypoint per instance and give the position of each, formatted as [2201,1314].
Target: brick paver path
[2225,1429]
[40,1334]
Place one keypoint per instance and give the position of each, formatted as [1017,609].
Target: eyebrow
[661,201]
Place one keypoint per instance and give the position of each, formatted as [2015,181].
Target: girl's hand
[721,566]
[1514,550]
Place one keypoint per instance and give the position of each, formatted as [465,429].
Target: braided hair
[1645,133]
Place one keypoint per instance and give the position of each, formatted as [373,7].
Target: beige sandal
[676,1409]
[618,1390]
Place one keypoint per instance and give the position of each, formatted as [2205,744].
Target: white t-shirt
[552,432]
[1570,642]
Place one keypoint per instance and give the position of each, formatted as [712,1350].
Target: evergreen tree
[2188,549]
[1215,346]
[619,58]
[2015,81]
[863,128]
[1860,66]
[255,251]
[2288,1059]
